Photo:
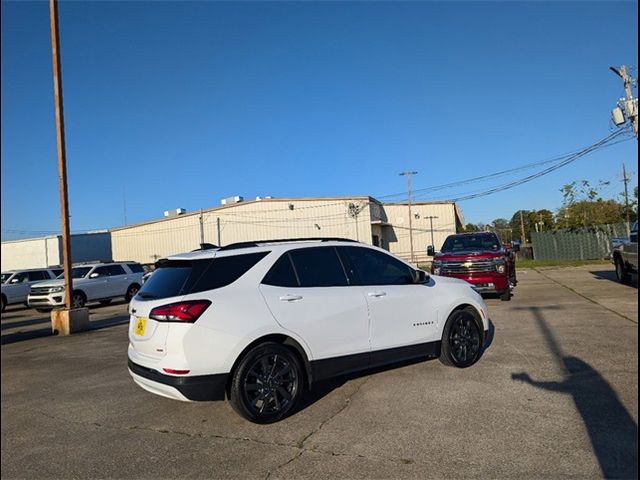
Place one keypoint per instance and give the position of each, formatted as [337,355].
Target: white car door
[308,293]
[401,312]
[118,281]
[96,285]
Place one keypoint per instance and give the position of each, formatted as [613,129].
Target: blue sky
[181,104]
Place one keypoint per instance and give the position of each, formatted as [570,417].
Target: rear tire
[461,344]
[622,274]
[131,291]
[267,383]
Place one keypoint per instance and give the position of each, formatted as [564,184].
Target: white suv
[258,322]
[101,282]
[16,283]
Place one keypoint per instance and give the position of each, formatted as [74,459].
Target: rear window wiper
[147,295]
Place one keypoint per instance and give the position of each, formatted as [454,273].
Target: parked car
[625,255]
[258,322]
[480,259]
[16,283]
[92,282]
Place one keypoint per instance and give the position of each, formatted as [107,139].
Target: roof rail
[206,246]
[256,243]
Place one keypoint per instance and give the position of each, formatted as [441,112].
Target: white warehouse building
[47,251]
[360,218]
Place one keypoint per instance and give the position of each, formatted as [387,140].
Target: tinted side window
[318,267]
[38,275]
[57,271]
[135,267]
[281,273]
[101,271]
[376,268]
[225,270]
[116,270]
[20,277]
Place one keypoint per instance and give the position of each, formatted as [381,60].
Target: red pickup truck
[480,259]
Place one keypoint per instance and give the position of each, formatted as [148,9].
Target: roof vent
[231,200]
[175,212]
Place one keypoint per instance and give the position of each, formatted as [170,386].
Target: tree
[470,227]
[583,206]
[502,228]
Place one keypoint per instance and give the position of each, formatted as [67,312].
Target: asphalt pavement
[555,395]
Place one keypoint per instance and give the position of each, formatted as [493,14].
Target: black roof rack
[256,243]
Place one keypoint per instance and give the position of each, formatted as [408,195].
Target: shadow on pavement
[611,275]
[24,323]
[46,332]
[612,431]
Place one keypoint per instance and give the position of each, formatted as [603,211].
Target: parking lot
[556,395]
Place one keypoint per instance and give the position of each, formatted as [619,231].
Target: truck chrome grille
[467,267]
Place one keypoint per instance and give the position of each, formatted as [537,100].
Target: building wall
[253,220]
[47,251]
[396,237]
[31,253]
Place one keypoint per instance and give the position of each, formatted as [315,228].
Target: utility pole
[218,227]
[523,239]
[630,109]
[408,176]
[625,179]
[354,211]
[431,217]
[62,160]
[201,229]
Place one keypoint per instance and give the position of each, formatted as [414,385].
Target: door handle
[290,298]
[377,294]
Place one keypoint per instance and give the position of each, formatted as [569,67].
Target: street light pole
[408,176]
[62,162]
[431,217]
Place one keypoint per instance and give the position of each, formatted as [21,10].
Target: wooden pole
[62,162]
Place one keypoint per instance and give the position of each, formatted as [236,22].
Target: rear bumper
[195,388]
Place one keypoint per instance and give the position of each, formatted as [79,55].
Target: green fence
[581,244]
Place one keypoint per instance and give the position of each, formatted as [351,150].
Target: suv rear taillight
[180,312]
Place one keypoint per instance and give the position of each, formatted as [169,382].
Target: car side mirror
[431,251]
[421,277]
[94,275]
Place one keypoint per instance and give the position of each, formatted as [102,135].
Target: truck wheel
[622,274]
[505,295]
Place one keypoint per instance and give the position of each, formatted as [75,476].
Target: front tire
[267,383]
[461,340]
[622,274]
[78,300]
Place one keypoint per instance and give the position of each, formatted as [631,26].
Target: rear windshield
[459,243]
[173,278]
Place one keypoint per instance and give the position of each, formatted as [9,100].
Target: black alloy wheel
[266,384]
[462,340]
